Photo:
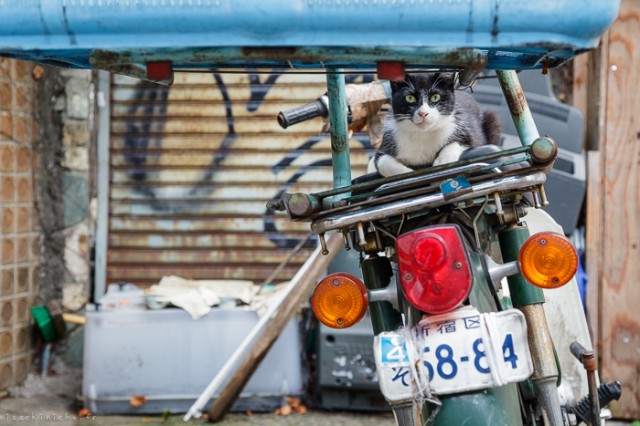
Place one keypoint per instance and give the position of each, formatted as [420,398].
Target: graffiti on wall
[206,154]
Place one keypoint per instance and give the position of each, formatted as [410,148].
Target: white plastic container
[169,359]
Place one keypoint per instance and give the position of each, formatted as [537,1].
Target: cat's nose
[423,114]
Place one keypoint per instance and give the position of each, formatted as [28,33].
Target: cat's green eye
[435,98]
[410,98]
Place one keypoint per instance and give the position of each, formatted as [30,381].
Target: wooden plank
[595,213]
[316,265]
[597,93]
[580,95]
[621,222]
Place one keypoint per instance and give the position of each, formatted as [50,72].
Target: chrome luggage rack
[346,207]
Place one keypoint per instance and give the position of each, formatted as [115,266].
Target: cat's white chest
[417,146]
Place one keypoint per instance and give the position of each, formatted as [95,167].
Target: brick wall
[19,236]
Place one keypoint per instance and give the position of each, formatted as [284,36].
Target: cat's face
[425,101]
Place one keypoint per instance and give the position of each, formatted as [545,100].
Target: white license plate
[460,351]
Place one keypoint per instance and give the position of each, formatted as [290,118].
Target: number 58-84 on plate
[460,351]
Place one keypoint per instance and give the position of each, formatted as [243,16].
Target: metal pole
[529,300]
[300,285]
[339,130]
[102,222]
[518,106]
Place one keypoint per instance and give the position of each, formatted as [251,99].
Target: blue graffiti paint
[259,90]
[229,138]
[152,98]
[269,222]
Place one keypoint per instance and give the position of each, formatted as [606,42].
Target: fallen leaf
[301,409]
[249,413]
[285,410]
[84,412]
[137,400]
[293,402]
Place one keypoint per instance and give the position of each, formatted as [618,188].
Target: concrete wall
[63,187]
[77,120]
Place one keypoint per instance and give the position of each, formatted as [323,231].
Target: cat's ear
[449,79]
[398,84]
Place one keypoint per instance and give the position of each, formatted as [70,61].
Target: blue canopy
[124,35]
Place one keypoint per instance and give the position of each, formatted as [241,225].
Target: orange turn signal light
[548,260]
[340,300]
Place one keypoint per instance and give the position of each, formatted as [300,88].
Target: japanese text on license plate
[456,353]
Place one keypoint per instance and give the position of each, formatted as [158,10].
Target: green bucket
[44,322]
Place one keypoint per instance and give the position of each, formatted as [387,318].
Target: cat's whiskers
[409,84]
[410,126]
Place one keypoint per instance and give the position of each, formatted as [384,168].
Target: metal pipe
[427,201]
[518,106]
[339,130]
[351,56]
[241,351]
[522,292]
[498,271]
[383,307]
[544,365]
[545,370]
[437,173]
[529,300]
[102,222]
[588,360]
[386,294]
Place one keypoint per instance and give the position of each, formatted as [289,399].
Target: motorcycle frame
[526,297]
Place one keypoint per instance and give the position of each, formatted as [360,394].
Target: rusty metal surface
[193,166]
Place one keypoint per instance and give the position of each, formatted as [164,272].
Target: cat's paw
[449,154]
[371,167]
[444,159]
[389,166]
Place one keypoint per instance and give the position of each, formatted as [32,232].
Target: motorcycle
[453,344]
[453,279]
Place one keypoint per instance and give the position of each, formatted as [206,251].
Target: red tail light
[434,268]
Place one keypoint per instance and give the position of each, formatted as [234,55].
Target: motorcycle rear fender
[493,406]
[485,407]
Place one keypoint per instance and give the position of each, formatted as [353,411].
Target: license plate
[461,351]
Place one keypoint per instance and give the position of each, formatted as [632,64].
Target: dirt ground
[34,411]
[47,401]
[51,401]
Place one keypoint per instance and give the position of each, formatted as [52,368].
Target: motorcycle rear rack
[345,207]
[500,185]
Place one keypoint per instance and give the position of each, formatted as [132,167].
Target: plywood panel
[621,200]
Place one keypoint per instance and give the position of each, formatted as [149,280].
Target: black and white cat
[431,124]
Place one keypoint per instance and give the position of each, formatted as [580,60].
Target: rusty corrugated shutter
[193,165]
